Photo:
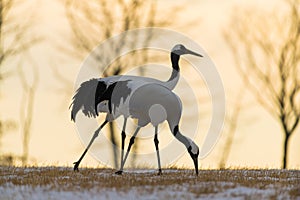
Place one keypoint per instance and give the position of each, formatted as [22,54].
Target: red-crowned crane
[96,95]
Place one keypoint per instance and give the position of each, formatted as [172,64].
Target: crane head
[179,49]
[193,150]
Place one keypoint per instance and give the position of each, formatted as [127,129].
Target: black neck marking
[175,59]
[180,137]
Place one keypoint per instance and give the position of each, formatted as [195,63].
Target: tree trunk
[285,150]
[27,123]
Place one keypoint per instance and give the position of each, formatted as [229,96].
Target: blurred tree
[28,99]
[266,49]
[231,124]
[16,39]
[94,21]
[5,126]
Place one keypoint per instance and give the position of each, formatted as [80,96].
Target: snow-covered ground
[10,191]
[63,183]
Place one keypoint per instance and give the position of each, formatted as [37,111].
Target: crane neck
[174,78]
[175,61]
[183,139]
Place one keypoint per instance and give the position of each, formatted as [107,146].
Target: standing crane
[96,95]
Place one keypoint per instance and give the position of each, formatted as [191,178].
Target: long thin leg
[123,139]
[157,150]
[128,150]
[76,164]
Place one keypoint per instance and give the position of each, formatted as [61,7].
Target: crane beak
[195,159]
[193,53]
[194,156]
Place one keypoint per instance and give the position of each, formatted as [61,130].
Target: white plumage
[118,95]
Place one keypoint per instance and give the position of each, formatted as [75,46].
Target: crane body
[113,96]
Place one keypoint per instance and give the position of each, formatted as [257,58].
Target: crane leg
[128,150]
[157,150]
[76,164]
[123,135]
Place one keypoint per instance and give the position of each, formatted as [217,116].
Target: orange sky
[54,139]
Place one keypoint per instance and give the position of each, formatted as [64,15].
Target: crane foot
[119,172]
[76,165]
[159,172]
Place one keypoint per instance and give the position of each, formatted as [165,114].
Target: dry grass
[208,181]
